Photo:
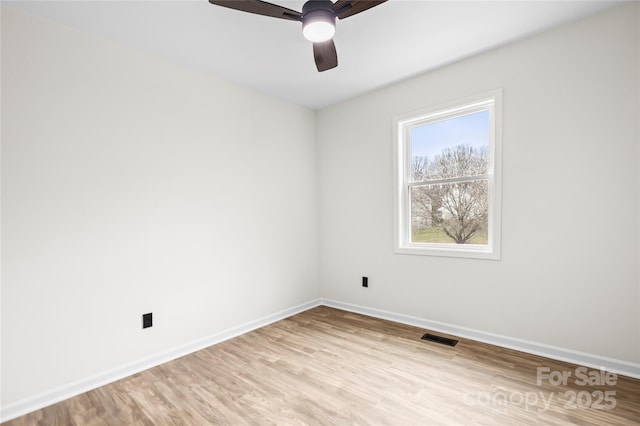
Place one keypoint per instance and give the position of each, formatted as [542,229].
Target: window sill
[469,251]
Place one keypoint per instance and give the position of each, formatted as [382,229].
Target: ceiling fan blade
[346,8]
[260,8]
[325,55]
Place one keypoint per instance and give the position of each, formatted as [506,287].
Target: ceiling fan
[318,19]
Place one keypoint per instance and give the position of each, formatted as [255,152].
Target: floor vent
[440,339]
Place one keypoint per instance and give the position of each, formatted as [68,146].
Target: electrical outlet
[365,281]
[147,320]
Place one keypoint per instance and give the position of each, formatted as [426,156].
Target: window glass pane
[451,148]
[450,213]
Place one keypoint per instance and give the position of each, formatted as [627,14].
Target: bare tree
[460,209]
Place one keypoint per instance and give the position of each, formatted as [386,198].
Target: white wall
[568,276]
[133,185]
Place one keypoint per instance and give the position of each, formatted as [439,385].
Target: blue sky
[431,139]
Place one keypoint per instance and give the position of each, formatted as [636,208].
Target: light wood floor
[330,367]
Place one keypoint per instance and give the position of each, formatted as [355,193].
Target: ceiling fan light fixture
[318,25]
[318,18]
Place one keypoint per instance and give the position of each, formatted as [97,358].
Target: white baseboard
[70,390]
[621,367]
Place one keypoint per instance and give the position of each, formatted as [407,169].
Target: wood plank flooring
[330,367]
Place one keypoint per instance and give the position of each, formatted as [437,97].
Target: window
[447,179]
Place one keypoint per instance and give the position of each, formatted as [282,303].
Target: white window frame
[488,101]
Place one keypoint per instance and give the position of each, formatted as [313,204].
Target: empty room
[366,212]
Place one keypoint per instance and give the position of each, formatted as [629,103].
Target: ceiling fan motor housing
[314,5]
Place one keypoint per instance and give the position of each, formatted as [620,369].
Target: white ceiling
[390,42]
